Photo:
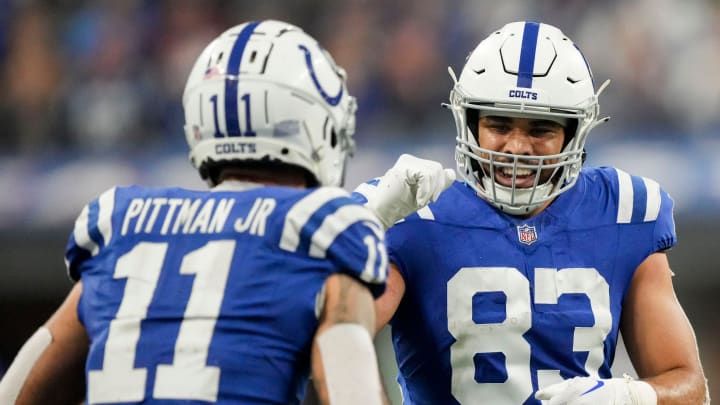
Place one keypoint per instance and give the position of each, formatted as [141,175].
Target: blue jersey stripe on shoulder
[313,226]
[335,223]
[106,204]
[99,219]
[74,255]
[80,232]
[93,231]
[300,214]
[639,199]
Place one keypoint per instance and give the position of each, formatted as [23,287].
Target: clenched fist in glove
[409,185]
[588,390]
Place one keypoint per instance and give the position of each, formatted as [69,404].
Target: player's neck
[265,177]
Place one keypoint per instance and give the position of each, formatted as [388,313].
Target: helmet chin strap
[521,196]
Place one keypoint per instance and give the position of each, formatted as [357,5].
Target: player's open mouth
[524,178]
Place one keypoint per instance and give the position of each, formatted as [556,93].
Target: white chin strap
[515,202]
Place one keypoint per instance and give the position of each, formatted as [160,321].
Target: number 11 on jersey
[188,377]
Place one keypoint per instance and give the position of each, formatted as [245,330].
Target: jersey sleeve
[328,224]
[665,236]
[400,245]
[641,200]
[92,231]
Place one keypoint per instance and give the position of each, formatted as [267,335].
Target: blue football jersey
[497,306]
[210,296]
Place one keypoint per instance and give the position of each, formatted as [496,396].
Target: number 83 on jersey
[505,338]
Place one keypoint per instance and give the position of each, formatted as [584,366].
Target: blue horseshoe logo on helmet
[332,100]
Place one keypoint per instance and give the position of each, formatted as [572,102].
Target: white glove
[588,390]
[409,185]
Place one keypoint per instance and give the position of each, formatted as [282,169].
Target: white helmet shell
[532,70]
[268,92]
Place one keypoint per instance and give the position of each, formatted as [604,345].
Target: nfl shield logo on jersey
[527,234]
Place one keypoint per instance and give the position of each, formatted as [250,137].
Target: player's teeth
[520,172]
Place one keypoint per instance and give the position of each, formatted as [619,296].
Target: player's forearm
[45,372]
[680,386]
[67,388]
[49,369]
[344,366]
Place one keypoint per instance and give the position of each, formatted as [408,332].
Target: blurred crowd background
[91,98]
[108,74]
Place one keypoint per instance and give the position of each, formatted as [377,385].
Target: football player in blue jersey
[513,287]
[237,294]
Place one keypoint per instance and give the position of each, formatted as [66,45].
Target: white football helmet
[531,70]
[268,92]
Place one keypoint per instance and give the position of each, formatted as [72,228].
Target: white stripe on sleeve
[106,204]
[625,200]
[82,237]
[336,223]
[301,212]
[652,209]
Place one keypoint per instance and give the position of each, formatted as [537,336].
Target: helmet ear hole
[472,116]
[204,172]
[333,138]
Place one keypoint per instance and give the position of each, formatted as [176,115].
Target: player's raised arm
[344,366]
[409,185]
